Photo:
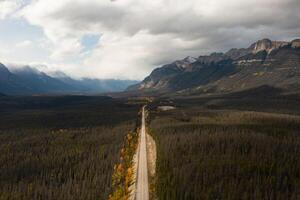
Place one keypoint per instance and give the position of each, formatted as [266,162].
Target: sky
[127,39]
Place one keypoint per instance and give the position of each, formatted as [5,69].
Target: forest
[226,153]
[61,147]
[80,147]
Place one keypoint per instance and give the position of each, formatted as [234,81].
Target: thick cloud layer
[137,36]
[8,6]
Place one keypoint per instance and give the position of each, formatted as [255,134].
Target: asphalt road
[142,192]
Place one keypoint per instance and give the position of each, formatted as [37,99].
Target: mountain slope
[12,84]
[27,80]
[265,62]
[41,82]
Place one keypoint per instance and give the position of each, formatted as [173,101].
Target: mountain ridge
[265,62]
[27,80]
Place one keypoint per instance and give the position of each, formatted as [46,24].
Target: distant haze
[126,39]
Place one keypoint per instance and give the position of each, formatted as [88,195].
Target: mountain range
[269,63]
[263,64]
[27,80]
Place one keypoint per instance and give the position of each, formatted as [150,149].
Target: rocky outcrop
[267,45]
[212,58]
[295,43]
[190,59]
[279,44]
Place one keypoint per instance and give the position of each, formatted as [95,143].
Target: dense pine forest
[61,147]
[226,154]
[73,147]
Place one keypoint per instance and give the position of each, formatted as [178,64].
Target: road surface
[142,191]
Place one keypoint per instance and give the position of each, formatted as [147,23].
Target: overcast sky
[126,39]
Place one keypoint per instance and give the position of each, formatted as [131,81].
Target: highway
[142,191]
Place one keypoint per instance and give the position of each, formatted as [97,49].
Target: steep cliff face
[267,45]
[261,45]
[279,68]
[296,43]
[265,62]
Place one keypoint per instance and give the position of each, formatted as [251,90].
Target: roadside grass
[122,177]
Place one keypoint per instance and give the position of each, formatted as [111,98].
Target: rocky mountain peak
[190,59]
[295,43]
[266,45]
[260,45]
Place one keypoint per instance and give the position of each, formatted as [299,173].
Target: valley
[149,100]
[222,144]
[223,126]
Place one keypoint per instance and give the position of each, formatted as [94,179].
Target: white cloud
[24,44]
[134,56]
[8,7]
[139,35]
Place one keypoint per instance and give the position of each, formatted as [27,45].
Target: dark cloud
[166,29]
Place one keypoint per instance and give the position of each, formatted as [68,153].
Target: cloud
[137,36]
[24,44]
[7,7]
